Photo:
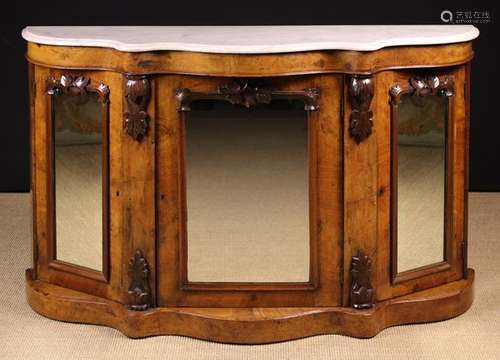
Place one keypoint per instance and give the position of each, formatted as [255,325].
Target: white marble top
[249,39]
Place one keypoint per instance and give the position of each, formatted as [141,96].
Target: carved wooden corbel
[76,86]
[360,96]
[246,93]
[139,289]
[137,94]
[362,292]
[423,86]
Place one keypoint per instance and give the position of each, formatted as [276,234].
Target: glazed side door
[76,245]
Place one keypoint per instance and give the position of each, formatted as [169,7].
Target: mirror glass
[78,179]
[421,169]
[247,192]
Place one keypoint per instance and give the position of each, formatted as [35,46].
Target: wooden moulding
[244,92]
[248,65]
[251,325]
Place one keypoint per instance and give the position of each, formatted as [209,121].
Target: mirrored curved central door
[245,225]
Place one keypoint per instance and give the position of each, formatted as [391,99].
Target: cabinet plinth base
[251,325]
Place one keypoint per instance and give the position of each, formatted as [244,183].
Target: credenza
[250,184]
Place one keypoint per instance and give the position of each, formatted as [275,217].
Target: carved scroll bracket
[139,289]
[362,292]
[137,94]
[246,93]
[76,86]
[423,86]
[360,96]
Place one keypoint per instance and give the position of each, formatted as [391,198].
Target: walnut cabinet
[249,193]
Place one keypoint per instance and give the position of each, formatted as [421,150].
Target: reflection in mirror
[247,193]
[421,175]
[78,179]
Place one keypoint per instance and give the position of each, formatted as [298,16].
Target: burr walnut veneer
[365,107]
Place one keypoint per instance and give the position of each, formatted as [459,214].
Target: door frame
[324,287]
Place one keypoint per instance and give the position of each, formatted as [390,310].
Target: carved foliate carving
[76,86]
[184,98]
[139,289]
[360,96]
[137,94]
[362,292]
[246,93]
[423,86]
[241,93]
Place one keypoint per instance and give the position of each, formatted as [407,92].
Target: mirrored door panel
[247,193]
[78,179]
[419,162]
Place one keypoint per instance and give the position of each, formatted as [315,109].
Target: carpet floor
[27,335]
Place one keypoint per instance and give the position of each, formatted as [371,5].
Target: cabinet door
[70,178]
[426,207]
[249,191]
